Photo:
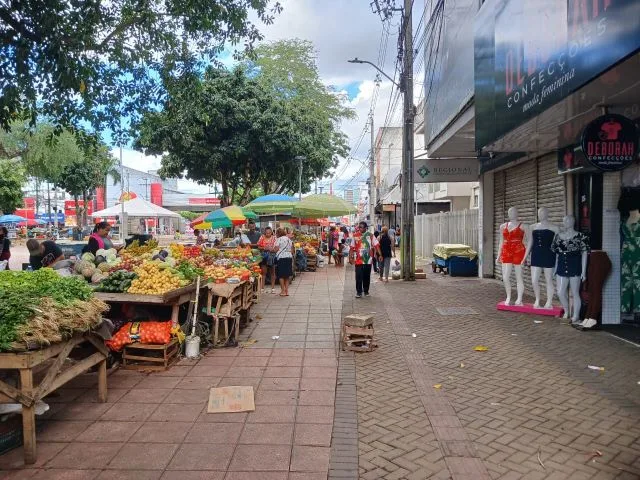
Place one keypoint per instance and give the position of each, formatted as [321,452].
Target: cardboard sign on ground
[231,400]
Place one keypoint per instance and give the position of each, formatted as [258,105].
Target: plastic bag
[154,333]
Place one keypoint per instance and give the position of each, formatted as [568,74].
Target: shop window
[475,202]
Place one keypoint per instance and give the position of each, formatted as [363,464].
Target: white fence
[449,227]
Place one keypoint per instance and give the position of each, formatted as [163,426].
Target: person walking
[363,247]
[386,248]
[268,265]
[376,266]
[5,246]
[283,248]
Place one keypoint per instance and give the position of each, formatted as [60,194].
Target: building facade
[518,85]
[554,81]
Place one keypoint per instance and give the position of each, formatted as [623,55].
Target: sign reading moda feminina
[610,142]
[530,54]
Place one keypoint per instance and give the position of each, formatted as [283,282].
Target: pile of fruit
[220,274]
[156,278]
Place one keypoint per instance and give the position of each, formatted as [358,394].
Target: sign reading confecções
[610,142]
[531,54]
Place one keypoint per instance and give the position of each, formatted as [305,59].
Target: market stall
[138,209]
[46,317]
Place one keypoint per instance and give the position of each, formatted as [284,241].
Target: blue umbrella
[11,219]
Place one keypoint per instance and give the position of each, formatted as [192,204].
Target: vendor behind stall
[99,239]
[253,234]
[45,254]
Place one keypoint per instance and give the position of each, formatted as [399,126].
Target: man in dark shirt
[44,254]
[253,234]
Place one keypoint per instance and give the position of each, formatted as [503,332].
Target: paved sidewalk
[156,426]
[430,406]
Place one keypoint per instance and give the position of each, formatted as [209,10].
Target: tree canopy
[11,180]
[244,128]
[99,60]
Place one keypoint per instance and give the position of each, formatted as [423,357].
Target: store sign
[429,170]
[204,201]
[610,142]
[530,54]
[45,217]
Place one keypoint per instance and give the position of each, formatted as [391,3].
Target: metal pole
[122,220]
[372,179]
[407,247]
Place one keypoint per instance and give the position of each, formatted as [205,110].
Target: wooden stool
[143,356]
[357,333]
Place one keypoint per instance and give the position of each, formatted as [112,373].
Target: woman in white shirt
[284,260]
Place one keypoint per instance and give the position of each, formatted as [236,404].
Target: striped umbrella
[226,217]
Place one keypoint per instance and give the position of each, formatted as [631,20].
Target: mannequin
[514,235]
[572,249]
[542,258]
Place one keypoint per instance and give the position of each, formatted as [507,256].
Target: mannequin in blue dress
[542,258]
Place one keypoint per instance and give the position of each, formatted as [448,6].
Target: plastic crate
[10,434]
[463,267]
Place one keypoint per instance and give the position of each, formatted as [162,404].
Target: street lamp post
[300,158]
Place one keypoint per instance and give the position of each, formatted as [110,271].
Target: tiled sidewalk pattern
[156,426]
[529,401]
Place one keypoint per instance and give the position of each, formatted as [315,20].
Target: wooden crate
[143,356]
[247,295]
[358,333]
[312,263]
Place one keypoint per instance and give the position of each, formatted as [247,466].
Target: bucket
[192,349]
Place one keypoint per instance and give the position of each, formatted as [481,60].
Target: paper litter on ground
[231,400]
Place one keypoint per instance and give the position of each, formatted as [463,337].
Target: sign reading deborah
[429,170]
[610,142]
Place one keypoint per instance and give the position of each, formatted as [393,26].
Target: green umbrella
[249,215]
[271,204]
[321,206]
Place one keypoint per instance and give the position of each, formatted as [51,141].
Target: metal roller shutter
[551,190]
[499,214]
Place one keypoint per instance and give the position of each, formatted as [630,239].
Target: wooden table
[28,393]
[174,299]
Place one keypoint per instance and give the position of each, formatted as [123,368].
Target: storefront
[539,100]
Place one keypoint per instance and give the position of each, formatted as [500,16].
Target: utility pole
[406,242]
[300,158]
[372,178]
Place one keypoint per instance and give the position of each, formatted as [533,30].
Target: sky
[340,30]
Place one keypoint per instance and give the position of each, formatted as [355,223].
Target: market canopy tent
[271,204]
[321,206]
[137,207]
[11,219]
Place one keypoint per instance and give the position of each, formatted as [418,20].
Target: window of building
[475,200]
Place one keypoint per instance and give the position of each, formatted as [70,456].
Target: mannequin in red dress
[514,236]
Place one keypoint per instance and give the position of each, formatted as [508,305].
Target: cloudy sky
[340,30]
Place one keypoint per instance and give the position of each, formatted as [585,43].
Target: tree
[11,181]
[84,174]
[99,61]
[244,128]
[288,69]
